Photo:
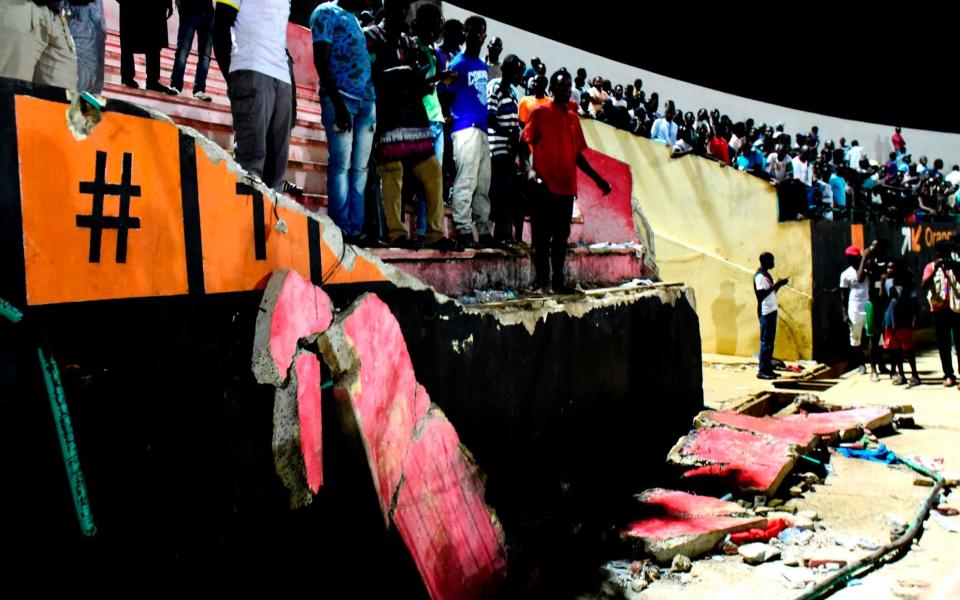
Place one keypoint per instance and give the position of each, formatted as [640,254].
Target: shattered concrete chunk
[427,483]
[456,541]
[682,523]
[745,461]
[288,459]
[374,377]
[757,553]
[292,308]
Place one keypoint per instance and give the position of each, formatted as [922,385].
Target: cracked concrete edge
[332,235]
[529,316]
[703,421]
[337,352]
[288,458]
[263,366]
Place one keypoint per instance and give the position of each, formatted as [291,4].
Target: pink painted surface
[606,218]
[792,433]
[749,462]
[832,422]
[301,309]
[674,503]
[311,424]
[663,528]
[443,519]
[456,277]
[388,403]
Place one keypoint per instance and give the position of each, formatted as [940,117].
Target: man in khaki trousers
[37,45]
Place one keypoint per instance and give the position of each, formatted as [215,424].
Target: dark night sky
[824,58]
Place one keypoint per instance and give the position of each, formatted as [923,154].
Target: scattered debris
[758,553]
[923,481]
[681,564]
[772,530]
[682,523]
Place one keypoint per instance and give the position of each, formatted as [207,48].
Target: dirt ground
[856,503]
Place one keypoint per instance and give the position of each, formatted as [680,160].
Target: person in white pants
[854,294]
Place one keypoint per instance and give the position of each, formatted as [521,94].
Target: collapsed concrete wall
[176,431]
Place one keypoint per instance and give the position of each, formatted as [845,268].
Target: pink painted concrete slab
[792,433]
[311,423]
[292,308]
[388,403]
[746,461]
[683,523]
[676,503]
[829,423]
[456,542]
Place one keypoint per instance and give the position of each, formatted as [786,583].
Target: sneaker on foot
[466,240]
[914,382]
[130,83]
[405,243]
[156,86]
[898,380]
[862,369]
[368,241]
[564,289]
[486,241]
[445,245]
[949,381]
[540,289]
[291,188]
[202,95]
[874,377]
[762,375]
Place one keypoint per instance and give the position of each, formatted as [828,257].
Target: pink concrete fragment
[829,423]
[792,433]
[672,502]
[743,460]
[292,308]
[456,542]
[311,425]
[386,399]
[682,523]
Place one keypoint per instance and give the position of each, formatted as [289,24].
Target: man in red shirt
[899,144]
[556,140]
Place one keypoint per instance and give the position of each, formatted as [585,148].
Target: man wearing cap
[556,140]
[854,294]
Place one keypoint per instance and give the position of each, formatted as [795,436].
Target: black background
[881,63]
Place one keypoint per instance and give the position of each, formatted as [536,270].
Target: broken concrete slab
[288,459]
[802,430]
[368,358]
[836,422]
[797,434]
[307,369]
[683,523]
[741,460]
[456,541]
[292,308]
[427,483]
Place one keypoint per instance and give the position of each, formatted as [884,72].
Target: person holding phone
[766,289]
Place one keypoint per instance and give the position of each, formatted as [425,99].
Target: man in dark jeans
[250,43]
[943,294]
[143,30]
[557,144]
[196,17]
[766,290]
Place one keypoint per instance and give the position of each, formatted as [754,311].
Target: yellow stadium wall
[710,224]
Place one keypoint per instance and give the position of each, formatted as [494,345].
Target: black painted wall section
[830,239]
[174,434]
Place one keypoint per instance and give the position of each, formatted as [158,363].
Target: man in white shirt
[779,165]
[854,295]
[854,154]
[766,290]
[250,43]
[801,167]
[954,177]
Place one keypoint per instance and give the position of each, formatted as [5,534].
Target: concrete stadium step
[185,105]
[214,76]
